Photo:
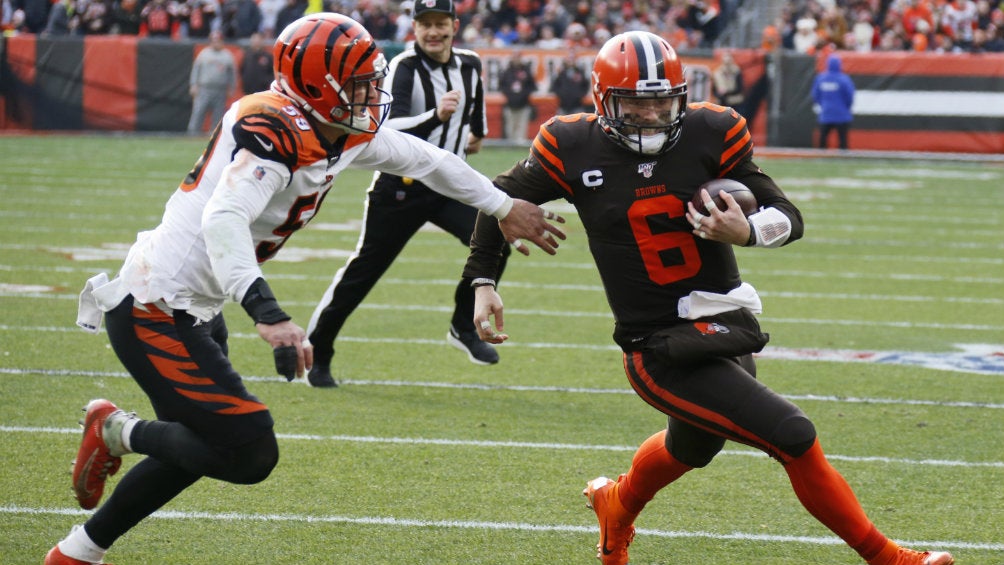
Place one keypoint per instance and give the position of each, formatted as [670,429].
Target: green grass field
[887,325]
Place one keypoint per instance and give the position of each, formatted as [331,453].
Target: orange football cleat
[616,523]
[905,556]
[911,557]
[94,463]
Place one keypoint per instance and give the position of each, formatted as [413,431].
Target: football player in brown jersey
[684,319]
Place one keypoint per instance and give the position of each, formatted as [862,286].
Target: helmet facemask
[365,103]
[647,119]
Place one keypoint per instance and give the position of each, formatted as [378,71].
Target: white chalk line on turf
[526,388]
[530,388]
[548,446]
[43,292]
[950,277]
[548,345]
[984,359]
[486,525]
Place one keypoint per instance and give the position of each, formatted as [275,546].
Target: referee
[439,97]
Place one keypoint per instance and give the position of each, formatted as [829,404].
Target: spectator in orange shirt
[915,11]
[770,39]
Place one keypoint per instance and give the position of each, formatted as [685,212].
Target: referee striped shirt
[418,83]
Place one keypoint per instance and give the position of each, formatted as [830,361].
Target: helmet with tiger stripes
[332,68]
[640,92]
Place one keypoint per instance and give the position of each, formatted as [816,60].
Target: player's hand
[473,145]
[448,104]
[730,226]
[527,221]
[488,303]
[287,334]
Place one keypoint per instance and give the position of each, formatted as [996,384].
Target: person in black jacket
[289,13]
[256,68]
[570,85]
[517,84]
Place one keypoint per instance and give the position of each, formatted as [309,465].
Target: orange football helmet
[639,92]
[332,68]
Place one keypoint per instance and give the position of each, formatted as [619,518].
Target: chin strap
[652,144]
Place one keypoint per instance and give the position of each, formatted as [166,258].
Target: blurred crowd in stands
[943,26]
[808,26]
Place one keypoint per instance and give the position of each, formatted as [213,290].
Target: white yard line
[522,445]
[390,521]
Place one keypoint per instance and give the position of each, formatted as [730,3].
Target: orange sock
[652,468]
[828,497]
[886,555]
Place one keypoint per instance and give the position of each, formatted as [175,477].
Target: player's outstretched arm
[527,221]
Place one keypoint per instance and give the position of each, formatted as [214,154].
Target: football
[744,197]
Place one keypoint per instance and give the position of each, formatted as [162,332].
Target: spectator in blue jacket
[833,96]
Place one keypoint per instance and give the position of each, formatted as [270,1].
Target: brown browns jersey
[633,208]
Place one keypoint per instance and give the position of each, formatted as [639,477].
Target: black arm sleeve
[261,305]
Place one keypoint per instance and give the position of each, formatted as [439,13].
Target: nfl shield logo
[646,169]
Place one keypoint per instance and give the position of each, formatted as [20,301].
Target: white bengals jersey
[263,176]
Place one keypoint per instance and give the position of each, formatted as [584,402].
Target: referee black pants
[395,211]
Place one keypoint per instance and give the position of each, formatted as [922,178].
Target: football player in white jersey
[265,172]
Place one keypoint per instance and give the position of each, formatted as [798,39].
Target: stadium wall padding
[906,101]
[114,83]
[950,102]
[162,99]
[109,83]
[59,89]
[792,121]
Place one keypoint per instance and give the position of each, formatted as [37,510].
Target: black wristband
[752,240]
[261,305]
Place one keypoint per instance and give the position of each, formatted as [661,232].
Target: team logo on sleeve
[646,169]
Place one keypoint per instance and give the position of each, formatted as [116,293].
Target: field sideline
[887,326]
